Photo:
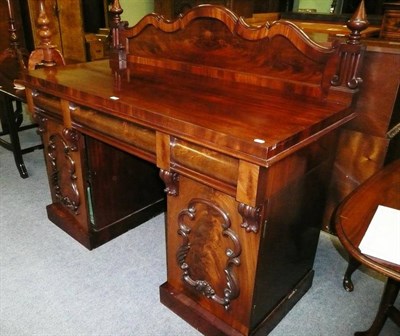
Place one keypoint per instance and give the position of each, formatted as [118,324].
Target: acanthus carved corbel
[232,289]
[171,180]
[251,217]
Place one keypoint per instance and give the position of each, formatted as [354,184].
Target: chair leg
[347,282]
[386,309]
[12,121]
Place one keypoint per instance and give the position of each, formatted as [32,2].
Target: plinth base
[209,325]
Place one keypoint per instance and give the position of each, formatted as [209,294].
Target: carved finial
[116,11]
[348,70]
[357,24]
[118,57]
[45,35]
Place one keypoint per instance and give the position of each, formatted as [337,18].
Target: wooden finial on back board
[349,67]
[118,57]
[357,24]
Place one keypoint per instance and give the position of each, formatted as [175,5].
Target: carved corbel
[251,217]
[41,121]
[171,180]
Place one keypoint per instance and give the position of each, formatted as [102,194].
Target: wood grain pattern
[356,212]
[242,124]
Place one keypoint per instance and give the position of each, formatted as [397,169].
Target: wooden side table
[352,220]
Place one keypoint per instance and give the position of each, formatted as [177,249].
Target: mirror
[313,6]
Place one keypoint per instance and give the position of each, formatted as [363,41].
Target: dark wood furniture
[352,220]
[372,138]
[12,61]
[241,125]
[343,9]
[391,21]
[170,9]
[318,31]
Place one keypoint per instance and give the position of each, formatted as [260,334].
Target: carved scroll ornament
[63,145]
[231,290]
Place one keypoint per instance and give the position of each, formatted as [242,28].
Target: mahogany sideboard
[241,125]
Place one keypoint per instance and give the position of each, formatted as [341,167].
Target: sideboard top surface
[232,116]
[209,78]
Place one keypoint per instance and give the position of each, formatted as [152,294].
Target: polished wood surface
[333,29]
[370,140]
[242,126]
[391,21]
[356,212]
[352,221]
[317,30]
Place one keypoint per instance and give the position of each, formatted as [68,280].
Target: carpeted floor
[52,286]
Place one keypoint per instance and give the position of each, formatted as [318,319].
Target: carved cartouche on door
[63,177]
[204,211]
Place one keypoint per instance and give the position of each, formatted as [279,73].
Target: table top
[356,212]
[232,117]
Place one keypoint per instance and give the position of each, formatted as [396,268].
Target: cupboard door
[64,152]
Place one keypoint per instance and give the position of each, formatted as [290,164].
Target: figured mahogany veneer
[241,124]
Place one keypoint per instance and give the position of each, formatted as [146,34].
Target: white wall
[134,10]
